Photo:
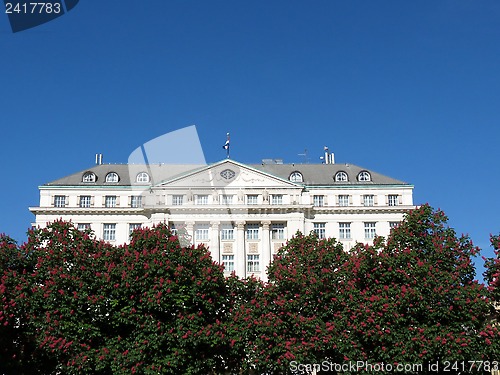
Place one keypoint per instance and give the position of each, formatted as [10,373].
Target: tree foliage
[414,298]
[148,307]
[15,347]
[410,298]
[492,274]
[294,317]
[75,305]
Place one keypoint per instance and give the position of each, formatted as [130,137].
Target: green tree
[410,299]
[92,308]
[15,347]
[239,323]
[413,298]
[492,274]
[295,316]
[75,305]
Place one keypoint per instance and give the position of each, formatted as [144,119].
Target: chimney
[98,159]
[329,158]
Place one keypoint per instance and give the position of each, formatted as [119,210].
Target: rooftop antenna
[304,155]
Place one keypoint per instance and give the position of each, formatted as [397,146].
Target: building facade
[242,213]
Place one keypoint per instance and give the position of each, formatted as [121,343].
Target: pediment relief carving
[228,176]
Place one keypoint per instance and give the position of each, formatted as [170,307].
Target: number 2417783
[32,8]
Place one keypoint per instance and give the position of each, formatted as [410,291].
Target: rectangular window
[318,200]
[83,226]
[368,200]
[136,201]
[201,232]
[228,262]
[177,200]
[252,199]
[226,199]
[252,231]
[109,233]
[132,227]
[227,232]
[59,201]
[201,199]
[345,231]
[393,200]
[110,201]
[278,231]
[319,229]
[393,224]
[343,200]
[85,201]
[173,229]
[370,231]
[277,199]
[253,263]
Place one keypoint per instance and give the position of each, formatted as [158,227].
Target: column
[266,250]
[239,252]
[214,241]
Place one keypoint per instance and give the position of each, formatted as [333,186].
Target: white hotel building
[242,212]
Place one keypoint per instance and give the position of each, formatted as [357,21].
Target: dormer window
[364,176]
[296,177]
[142,177]
[112,177]
[89,177]
[341,177]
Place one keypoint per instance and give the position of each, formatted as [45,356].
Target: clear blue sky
[405,88]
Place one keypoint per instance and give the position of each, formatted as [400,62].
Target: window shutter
[375,200]
[117,201]
[66,201]
[386,200]
[92,201]
[400,199]
[78,201]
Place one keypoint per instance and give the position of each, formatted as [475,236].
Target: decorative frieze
[227,248]
[253,248]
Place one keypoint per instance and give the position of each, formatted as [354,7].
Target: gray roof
[324,174]
[313,174]
[160,172]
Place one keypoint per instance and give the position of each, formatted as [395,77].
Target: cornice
[223,209]
[86,211]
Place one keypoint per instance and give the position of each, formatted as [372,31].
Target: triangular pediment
[227,173]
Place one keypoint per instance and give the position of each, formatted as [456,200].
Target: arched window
[364,176]
[296,177]
[112,177]
[142,177]
[89,177]
[341,177]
